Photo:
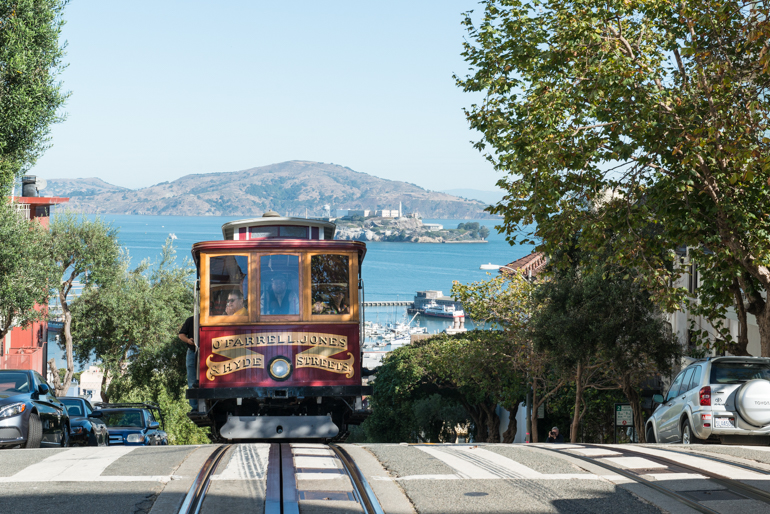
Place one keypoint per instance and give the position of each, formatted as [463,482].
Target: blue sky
[164,89]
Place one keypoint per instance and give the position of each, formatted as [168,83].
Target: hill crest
[288,188]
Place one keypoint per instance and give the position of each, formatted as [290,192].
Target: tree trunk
[578,400]
[763,322]
[510,433]
[481,427]
[636,406]
[493,424]
[55,373]
[533,414]
[740,347]
[61,390]
[477,418]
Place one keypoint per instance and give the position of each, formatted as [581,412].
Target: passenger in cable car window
[336,304]
[277,299]
[235,305]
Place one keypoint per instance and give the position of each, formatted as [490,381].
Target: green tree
[505,302]
[87,251]
[30,94]
[131,324]
[467,370]
[648,119]
[26,271]
[602,331]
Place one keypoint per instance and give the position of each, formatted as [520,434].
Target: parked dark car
[133,424]
[30,414]
[86,425]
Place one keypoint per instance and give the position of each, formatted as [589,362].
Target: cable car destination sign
[240,352]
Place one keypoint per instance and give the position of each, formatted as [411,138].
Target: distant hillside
[488,197]
[288,188]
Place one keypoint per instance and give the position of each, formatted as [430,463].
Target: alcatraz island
[393,226]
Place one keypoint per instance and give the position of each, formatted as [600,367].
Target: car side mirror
[154,424]
[96,414]
[43,389]
[658,398]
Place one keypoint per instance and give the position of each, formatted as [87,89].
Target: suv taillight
[705,395]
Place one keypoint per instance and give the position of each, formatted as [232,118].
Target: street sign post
[624,417]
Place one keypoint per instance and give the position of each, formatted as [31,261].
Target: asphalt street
[424,479]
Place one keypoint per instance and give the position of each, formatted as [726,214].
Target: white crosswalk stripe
[79,465]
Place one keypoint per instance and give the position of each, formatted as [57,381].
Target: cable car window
[294,232]
[330,287]
[228,285]
[279,285]
[263,232]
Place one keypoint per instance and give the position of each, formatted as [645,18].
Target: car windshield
[131,418]
[738,372]
[74,407]
[14,383]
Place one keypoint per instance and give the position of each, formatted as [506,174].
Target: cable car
[278,328]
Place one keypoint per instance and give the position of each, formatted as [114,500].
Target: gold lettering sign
[236,349]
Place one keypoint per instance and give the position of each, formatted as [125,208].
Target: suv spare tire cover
[753,402]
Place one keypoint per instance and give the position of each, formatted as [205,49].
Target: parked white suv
[719,399]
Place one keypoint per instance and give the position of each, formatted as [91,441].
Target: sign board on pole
[624,416]
[541,411]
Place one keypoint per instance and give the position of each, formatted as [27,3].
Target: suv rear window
[738,372]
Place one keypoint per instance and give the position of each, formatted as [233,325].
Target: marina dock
[387,304]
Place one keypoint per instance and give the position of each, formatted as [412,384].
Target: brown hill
[288,187]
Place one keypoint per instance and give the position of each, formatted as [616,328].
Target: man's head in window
[235,304]
[278,284]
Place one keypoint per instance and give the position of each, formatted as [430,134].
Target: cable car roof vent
[271,214]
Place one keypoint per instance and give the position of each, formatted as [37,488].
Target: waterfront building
[424,298]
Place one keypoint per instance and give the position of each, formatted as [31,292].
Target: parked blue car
[133,424]
[86,425]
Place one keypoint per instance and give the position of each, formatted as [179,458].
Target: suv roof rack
[137,405]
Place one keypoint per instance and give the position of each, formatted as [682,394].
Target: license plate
[723,423]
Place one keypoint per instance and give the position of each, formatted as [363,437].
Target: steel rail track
[361,487]
[697,453]
[729,484]
[636,478]
[282,495]
[726,482]
[194,499]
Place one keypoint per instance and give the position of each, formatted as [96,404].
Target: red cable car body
[278,328]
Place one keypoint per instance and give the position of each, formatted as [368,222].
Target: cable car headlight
[280,368]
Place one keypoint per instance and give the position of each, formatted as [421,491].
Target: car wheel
[649,436]
[34,433]
[687,436]
[65,435]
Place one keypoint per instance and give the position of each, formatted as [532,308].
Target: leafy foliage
[131,324]
[26,271]
[602,331]
[30,96]
[644,119]
[87,251]
[467,370]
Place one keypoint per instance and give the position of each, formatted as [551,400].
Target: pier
[387,304]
